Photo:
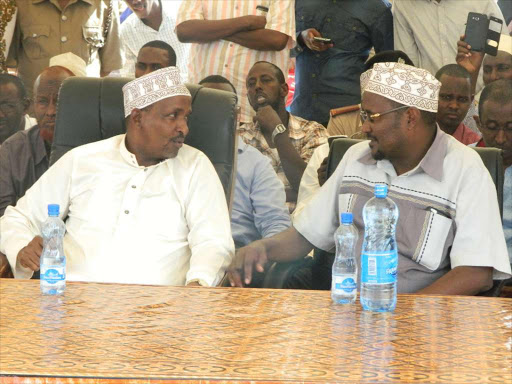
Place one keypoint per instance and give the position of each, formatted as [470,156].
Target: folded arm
[205,31]
[261,39]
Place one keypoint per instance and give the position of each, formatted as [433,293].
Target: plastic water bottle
[379,256]
[53,261]
[344,268]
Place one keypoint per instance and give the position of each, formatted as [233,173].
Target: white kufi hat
[153,87]
[411,86]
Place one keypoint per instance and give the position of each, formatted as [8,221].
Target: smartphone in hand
[323,40]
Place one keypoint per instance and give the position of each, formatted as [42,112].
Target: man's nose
[500,137]
[365,128]
[52,107]
[182,126]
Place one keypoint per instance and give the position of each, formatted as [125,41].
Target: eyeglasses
[365,116]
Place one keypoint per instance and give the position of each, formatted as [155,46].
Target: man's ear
[284,90]
[413,116]
[136,116]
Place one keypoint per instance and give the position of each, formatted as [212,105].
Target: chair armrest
[5,268]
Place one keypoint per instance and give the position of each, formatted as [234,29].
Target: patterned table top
[96,333]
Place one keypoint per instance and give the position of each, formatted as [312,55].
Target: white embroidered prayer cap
[153,87]
[505,44]
[70,61]
[404,84]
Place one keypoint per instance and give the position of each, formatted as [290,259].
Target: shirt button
[63,39]
[145,169]
[225,65]
[313,75]
[317,55]
[34,35]
[133,186]
[328,20]
[127,211]
[64,17]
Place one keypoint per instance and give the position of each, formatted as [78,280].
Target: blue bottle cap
[381,191]
[53,209]
[347,218]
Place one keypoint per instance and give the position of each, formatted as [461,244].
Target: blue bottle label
[53,275]
[344,283]
[379,267]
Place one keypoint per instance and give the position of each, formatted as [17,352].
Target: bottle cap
[381,191]
[347,218]
[53,209]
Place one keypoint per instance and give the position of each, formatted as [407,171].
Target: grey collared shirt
[23,160]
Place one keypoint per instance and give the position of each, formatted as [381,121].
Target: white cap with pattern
[70,61]
[404,84]
[153,87]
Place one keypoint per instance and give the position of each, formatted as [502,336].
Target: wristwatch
[280,128]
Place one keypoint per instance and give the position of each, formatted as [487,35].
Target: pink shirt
[232,60]
[465,135]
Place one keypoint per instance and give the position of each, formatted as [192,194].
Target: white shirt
[309,183]
[231,60]
[127,223]
[134,34]
[29,122]
[449,213]
[428,31]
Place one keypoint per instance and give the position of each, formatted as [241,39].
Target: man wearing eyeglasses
[495,123]
[445,245]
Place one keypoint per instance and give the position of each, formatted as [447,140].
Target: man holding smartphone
[334,40]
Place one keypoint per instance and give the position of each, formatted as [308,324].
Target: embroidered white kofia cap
[404,84]
[153,87]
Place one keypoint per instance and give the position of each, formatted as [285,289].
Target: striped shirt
[134,34]
[232,60]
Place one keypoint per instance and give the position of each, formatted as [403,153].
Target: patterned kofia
[404,84]
[153,87]
[8,8]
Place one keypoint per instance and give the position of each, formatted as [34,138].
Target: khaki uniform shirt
[43,30]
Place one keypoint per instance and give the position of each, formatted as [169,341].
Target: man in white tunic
[140,208]
[449,234]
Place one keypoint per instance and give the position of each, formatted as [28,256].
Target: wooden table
[100,333]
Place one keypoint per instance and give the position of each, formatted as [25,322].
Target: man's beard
[378,156]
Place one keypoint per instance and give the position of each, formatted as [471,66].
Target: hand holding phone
[323,40]
[482,33]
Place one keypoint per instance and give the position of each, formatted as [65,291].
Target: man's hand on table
[246,259]
[29,256]
[194,284]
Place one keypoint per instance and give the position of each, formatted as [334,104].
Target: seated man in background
[154,55]
[495,123]
[454,101]
[289,141]
[259,204]
[13,106]
[449,234]
[135,205]
[24,156]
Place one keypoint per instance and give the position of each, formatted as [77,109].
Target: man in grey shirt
[24,156]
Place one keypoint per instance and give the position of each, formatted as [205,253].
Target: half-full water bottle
[379,257]
[344,268]
[53,261]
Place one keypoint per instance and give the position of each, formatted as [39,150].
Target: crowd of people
[397,75]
